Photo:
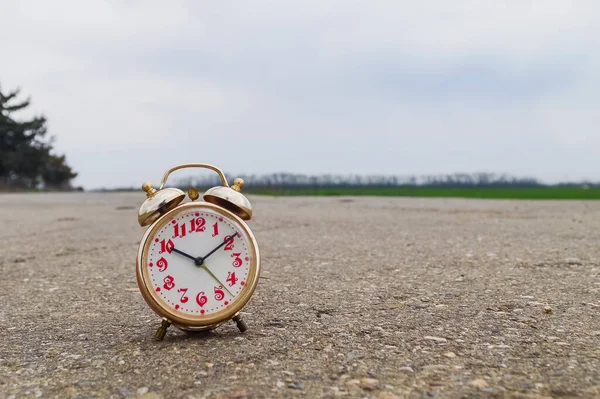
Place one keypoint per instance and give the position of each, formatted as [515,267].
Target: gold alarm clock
[198,263]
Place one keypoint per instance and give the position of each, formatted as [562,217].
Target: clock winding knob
[150,191]
[238,184]
[193,194]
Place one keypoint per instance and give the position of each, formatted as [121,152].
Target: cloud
[131,88]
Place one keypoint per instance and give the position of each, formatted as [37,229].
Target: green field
[542,193]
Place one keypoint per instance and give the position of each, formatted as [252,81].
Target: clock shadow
[222,334]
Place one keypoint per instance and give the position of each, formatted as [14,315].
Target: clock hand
[219,246]
[183,253]
[202,260]
[199,261]
[203,266]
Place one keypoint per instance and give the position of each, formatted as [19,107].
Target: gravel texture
[359,297]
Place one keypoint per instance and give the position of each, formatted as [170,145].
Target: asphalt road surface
[359,297]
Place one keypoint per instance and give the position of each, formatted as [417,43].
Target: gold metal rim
[159,306]
[194,165]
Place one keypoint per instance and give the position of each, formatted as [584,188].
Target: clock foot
[162,330]
[241,324]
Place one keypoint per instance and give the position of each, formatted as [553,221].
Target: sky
[131,88]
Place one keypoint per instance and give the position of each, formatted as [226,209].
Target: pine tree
[26,161]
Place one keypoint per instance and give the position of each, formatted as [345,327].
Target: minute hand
[220,245]
[215,277]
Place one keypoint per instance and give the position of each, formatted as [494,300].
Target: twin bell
[163,200]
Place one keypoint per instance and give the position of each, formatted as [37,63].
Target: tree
[26,159]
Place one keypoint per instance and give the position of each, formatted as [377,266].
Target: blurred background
[467,98]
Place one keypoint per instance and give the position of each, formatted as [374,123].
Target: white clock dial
[199,262]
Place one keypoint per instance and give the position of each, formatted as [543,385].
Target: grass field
[542,193]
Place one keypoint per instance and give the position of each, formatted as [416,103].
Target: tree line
[276,181]
[27,161]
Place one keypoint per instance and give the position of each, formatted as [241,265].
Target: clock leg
[241,324]
[162,330]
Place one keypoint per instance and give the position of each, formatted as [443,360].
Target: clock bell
[164,199]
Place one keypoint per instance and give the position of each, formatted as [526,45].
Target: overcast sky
[131,88]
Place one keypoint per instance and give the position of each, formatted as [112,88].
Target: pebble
[285,372]
[280,384]
[450,355]
[142,390]
[573,261]
[548,309]
[534,303]
[197,382]
[501,346]
[479,383]
[435,367]
[406,368]
[369,384]
[239,394]
[436,339]
[296,385]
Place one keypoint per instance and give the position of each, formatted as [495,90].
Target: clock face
[199,264]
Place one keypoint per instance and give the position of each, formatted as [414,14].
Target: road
[359,297]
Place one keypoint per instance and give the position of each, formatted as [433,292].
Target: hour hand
[183,253]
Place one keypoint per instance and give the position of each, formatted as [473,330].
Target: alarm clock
[198,263]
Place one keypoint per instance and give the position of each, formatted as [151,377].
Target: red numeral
[201,299]
[219,294]
[169,283]
[237,262]
[166,246]
[216,229]
[184,298]
[229,245]
[198,225]
[179,230]
[231,279]
[162,264]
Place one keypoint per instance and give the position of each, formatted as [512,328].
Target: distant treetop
[26,158]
